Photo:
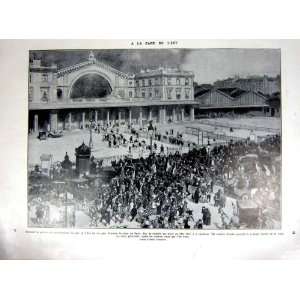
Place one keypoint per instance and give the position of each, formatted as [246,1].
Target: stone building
[59,99]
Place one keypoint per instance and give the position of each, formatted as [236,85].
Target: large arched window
[91,86]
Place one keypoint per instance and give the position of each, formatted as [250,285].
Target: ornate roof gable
[91,61]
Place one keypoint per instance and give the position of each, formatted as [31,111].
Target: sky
[208,65]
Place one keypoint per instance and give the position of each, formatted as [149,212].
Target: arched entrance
[90,85]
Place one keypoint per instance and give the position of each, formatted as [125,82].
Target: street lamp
[208,151]
[150,131]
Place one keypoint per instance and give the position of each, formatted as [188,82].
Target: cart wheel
[245,197]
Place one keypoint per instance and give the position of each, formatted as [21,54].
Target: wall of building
[47,85]
[266,85]
[165,87]
[216,98]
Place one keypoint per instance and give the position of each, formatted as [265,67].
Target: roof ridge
[77,66]
[223,93]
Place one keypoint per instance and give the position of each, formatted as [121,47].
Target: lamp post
[208,151]
[150,131]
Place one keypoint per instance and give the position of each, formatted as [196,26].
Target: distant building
[58,100]
[274,101]
[234,100]
[263,84]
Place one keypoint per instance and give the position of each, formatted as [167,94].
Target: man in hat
[197,195]
[133,213]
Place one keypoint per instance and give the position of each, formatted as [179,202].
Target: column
[162,115]
[174,115]
[129,116]
[113,116]
[192,114]
[107,116]
[182,114]
[141,117]
[83,120]
[119,116]
[36,123]
[96,116]
[150,114]
[53,121]
[70,121]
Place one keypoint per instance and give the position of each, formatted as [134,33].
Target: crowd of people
[148,191]
[154,192]
[135,139]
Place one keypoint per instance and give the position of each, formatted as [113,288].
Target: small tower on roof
[92,57]
[66,163]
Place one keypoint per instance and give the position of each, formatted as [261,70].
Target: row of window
[143,94]
[44,77]
[44,91]
[44,94]
[141,82]
[150,95]
[178,93]
[59,93]
[156,81]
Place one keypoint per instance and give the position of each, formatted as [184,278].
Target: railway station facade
[161,95]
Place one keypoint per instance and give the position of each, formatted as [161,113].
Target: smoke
[208,65]
[134,61]
[125,60]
